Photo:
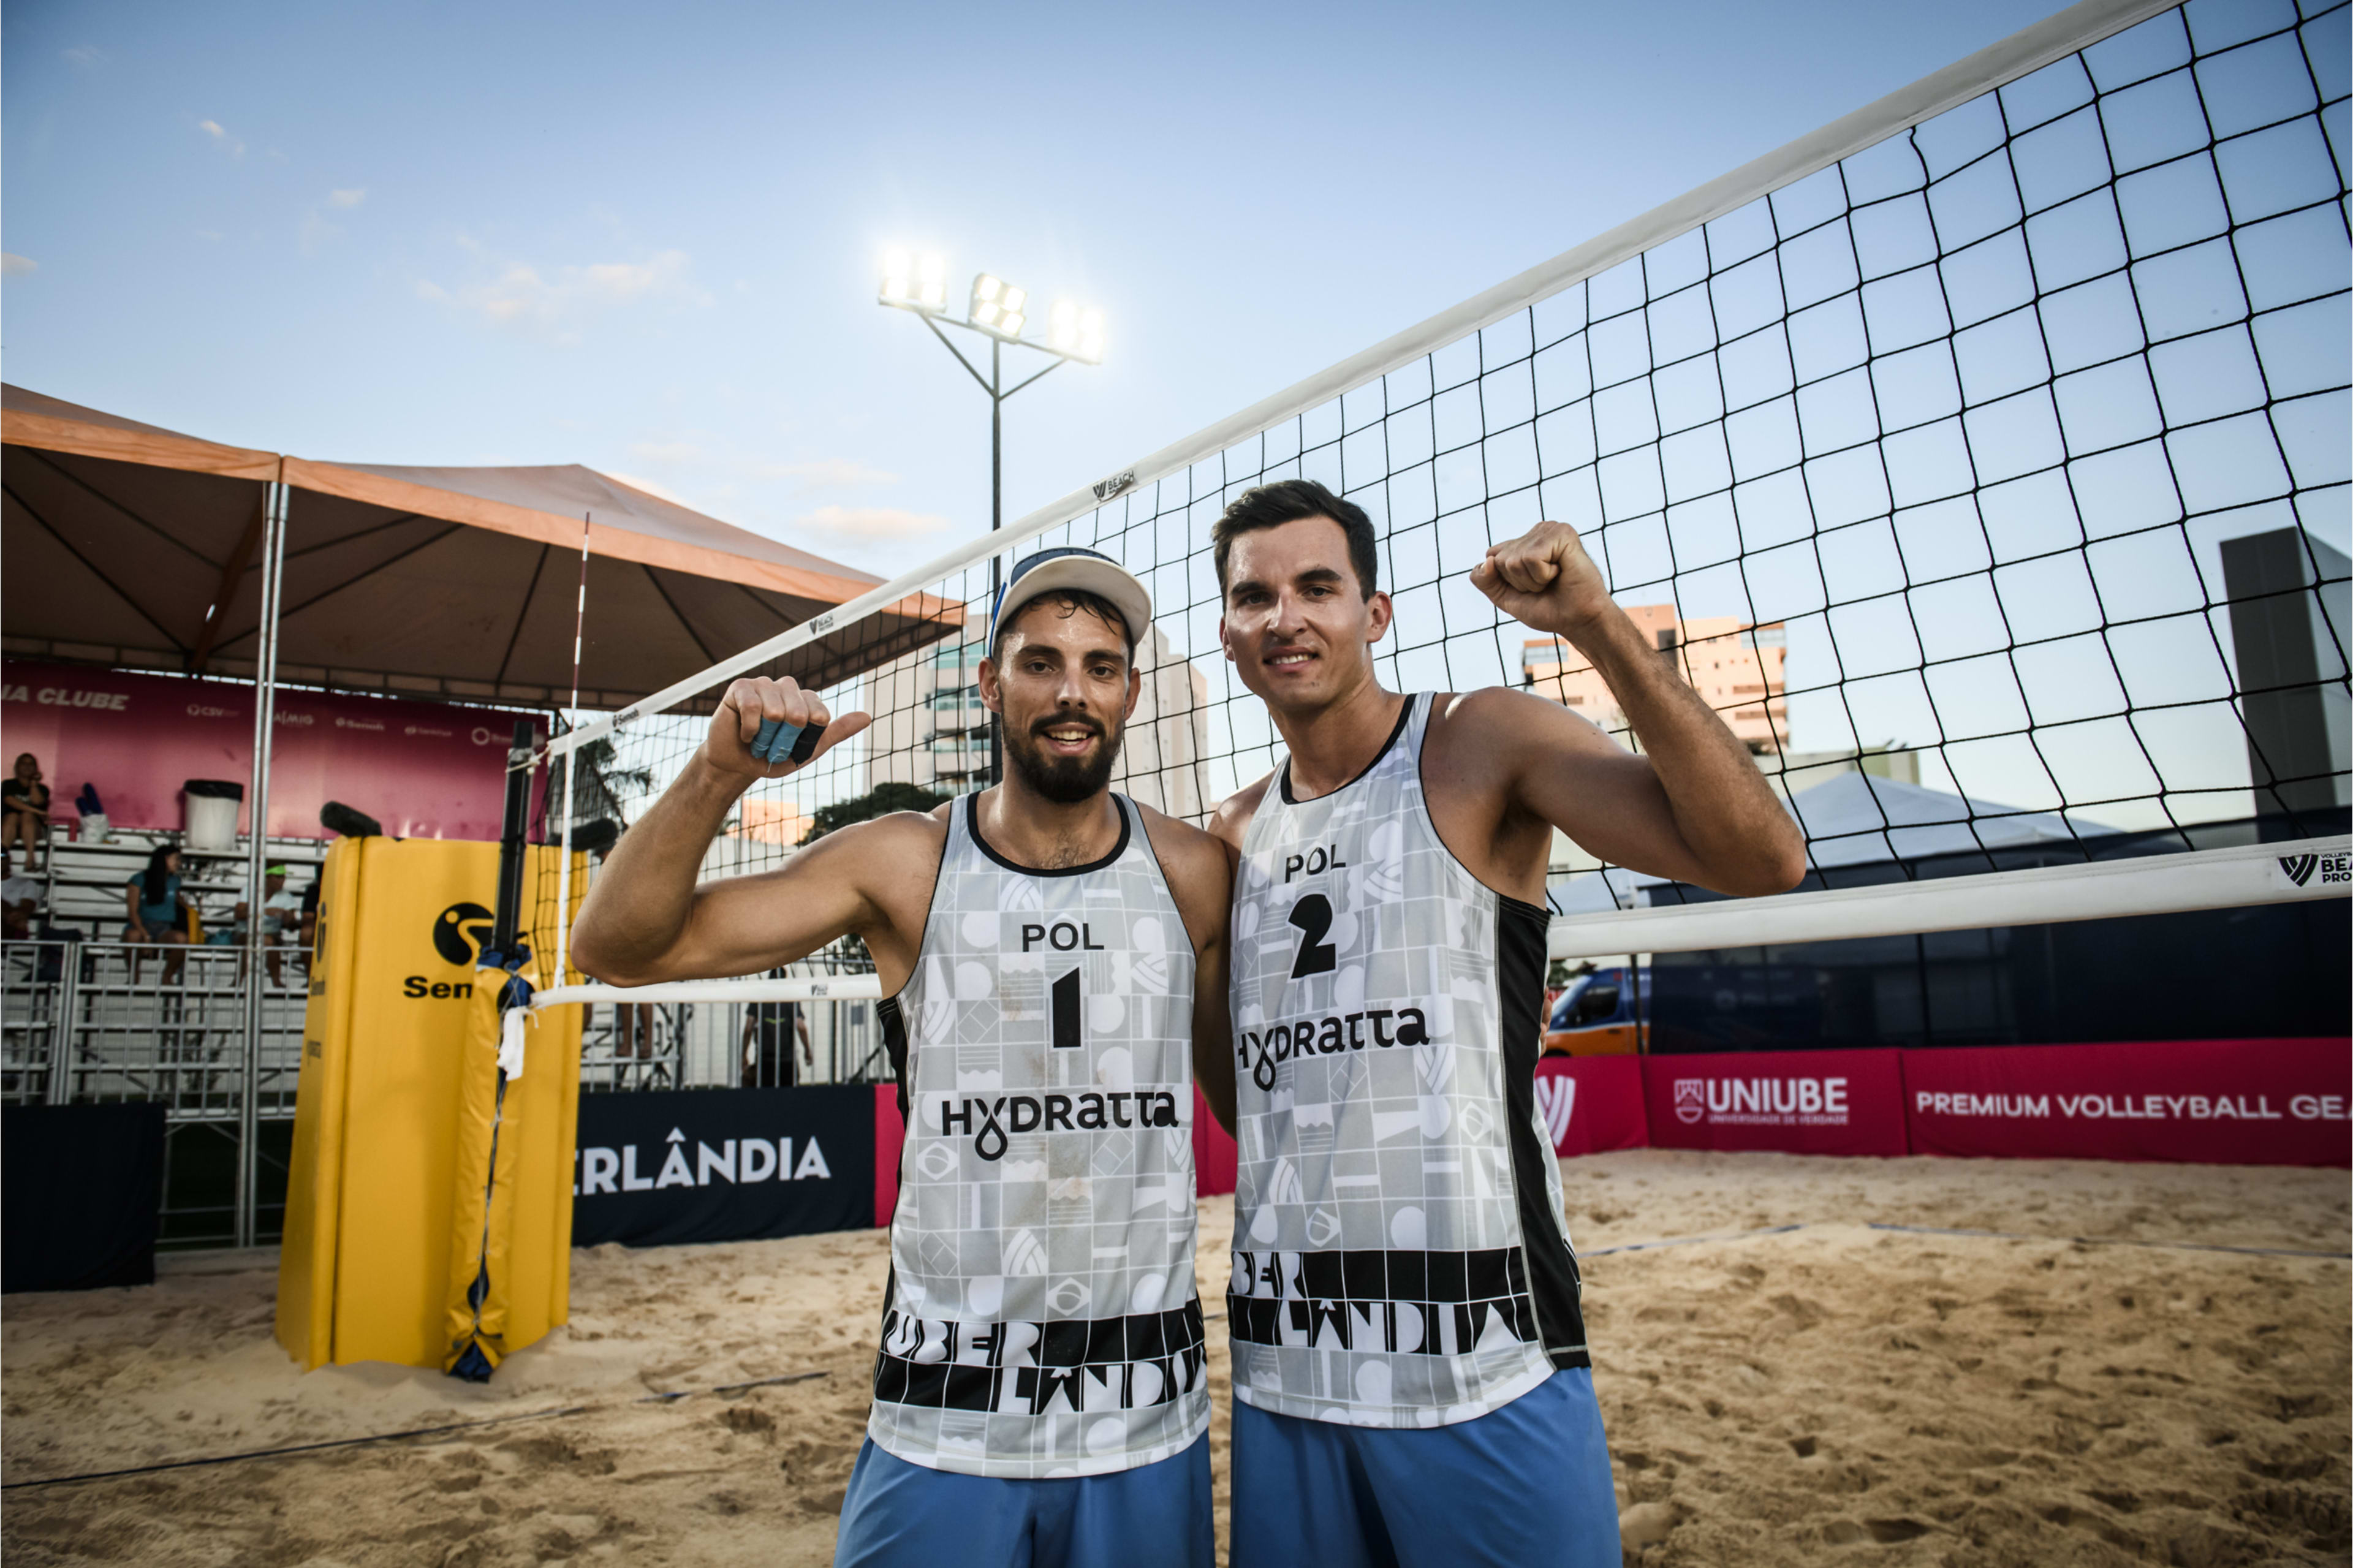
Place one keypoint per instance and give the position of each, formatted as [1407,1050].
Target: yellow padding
[384,1123]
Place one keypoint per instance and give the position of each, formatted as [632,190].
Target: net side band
[2232,878]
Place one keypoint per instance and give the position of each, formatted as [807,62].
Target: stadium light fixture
[915,283]
[999,308]
[998,312]
[1075,332]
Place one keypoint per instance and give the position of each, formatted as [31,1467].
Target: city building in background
[1735,666]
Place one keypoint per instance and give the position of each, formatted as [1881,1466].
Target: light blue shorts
[1526,1486]
[901,1515]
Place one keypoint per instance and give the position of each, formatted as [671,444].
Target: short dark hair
[1071,600]
[1290,500]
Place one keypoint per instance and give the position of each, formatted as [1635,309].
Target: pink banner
[1592,1103]
[1215,1159]
[1807,1103]
[890,1136]
[2244,1102]
[425,770]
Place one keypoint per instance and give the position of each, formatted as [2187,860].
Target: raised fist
[1544,580]
[753,700]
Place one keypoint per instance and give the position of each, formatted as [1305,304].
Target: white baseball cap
[1069,570]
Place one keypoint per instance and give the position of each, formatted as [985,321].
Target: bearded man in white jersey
[1411,1382]
[1051,956]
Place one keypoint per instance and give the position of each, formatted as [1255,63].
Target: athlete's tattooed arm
[649,919]
[1200,878]
[1693,806]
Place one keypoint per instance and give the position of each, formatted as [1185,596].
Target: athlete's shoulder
[890,838]
[1195,865]
[1231,820]
[1499,716]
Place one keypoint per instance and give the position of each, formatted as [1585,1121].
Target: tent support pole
[257,979]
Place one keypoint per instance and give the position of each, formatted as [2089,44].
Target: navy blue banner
[659,1168]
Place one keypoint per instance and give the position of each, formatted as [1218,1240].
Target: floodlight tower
[999,313]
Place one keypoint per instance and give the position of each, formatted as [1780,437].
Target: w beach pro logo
[2303,870]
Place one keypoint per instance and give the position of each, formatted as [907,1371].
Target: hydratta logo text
[988,1121]
[1263,1052]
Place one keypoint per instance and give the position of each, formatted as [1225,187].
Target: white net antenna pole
[571,769]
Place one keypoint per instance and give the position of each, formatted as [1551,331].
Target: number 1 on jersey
[1066,1004]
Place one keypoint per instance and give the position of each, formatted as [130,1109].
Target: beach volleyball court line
[413,1432]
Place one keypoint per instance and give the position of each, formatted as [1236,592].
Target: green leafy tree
[880,801]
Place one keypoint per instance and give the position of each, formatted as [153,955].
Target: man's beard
[1065,781]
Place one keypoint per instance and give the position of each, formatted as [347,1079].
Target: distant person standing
[24,808]
[771,1031]
[158,914]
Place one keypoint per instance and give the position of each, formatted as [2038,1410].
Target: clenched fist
[755,699]
[1544,580]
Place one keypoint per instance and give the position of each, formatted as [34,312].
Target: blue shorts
[901,1515]
[1526,1486]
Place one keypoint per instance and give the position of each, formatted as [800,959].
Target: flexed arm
[649,919]
[1694,806]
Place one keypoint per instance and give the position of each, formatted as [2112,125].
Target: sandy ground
[1832,1393]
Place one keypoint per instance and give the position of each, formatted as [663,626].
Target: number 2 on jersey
[1313,916]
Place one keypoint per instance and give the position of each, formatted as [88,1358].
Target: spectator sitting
[24,808]
[281,910]
[20,901]
[157,913]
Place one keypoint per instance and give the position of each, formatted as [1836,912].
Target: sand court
[1834,1391]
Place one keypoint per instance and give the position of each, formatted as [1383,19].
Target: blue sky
[645,238]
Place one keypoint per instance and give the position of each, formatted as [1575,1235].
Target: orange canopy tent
[137,547]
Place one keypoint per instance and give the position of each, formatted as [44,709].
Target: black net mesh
[1992,483]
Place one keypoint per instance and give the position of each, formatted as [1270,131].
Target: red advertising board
[2248,1102]
[1215,1159]
[1591,1104]
[425,770]
[1807,1103]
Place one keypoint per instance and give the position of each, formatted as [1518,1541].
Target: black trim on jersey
[1404,716]
[1336,1298]
[1520,930]
[963,1366]
[1126,829]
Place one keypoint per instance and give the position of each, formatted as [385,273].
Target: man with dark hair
[776,1041]
[1411,1382]
[1052,958]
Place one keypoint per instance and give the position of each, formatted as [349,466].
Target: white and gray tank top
[1400,1258]
[1042,1318]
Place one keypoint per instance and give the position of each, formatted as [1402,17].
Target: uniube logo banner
[659,1168]
[1807,1102]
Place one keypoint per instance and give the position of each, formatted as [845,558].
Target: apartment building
[1735,666]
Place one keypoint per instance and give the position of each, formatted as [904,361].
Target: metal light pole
[997,311]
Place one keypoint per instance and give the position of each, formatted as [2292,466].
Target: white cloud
[15,266]
[348,198]
[827,473]
[213,129]
[553,305]
[871,522]
[84,54]
[666,451]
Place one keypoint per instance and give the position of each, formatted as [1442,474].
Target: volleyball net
[1982,459]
